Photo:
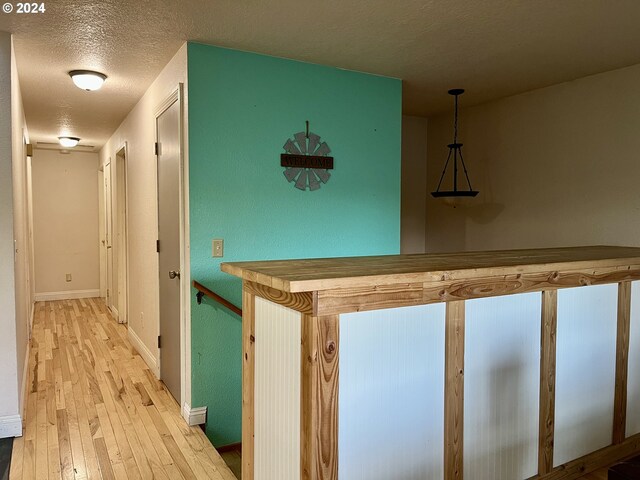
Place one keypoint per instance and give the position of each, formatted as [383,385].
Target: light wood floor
[95,411]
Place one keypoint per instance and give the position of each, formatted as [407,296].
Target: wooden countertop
[356,272]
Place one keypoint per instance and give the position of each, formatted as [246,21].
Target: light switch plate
[68,277]
[217,247]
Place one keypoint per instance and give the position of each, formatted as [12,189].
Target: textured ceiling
[492,48]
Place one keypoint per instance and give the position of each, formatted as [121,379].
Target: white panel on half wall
[585,370]
[391,400]
[277,392]
[633,377]
[501,387]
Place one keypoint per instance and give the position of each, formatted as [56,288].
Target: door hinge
[157,246]
[159,342]
[156,148]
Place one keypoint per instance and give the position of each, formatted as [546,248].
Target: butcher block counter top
[337,273]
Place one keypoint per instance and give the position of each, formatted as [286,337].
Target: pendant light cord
[455,121]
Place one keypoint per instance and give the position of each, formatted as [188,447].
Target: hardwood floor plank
[58,381]
[107,434]
[133,473]
[42,447]
[29,448]
[173,472]
[141,432]
[154,437]
[176,426]
[86,430]
[54,451]
[64,445]
[178,457]
[103,459]
[17,455]
[138,452]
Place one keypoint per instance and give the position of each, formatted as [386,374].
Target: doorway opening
[116,238]
[121,265]
[108,247]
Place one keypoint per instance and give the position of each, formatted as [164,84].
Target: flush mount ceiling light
[68,142]
[87,79]
[455,149]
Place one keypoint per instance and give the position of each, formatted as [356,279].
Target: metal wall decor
[455,149]
[306,160]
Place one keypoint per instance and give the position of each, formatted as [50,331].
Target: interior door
[169,174]
[108,234]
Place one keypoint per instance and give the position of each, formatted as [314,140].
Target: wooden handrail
[202,290]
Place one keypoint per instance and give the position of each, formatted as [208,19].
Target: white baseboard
[144,352]
[194,416]
[10,426]
[69,295]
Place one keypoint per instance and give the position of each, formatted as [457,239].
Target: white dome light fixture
[68,142]
[87,80]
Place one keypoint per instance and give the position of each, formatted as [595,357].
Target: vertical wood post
[622,363]
[248,382]
[319,398]
[454,390]
[547,380]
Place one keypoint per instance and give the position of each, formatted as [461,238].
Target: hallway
[94,410]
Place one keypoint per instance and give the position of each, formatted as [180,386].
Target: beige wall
[65,223]
[413,191]
[138,132]
[555,167]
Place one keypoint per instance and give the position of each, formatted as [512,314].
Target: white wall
[555,167]
[414,188]
[15,301]
[8,360]
[138,132]
[21,230]
[65,223]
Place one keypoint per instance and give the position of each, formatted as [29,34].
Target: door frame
[102,232]
[177,95]
[108,233]
[124,149]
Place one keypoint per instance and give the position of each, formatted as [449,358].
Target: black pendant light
[455,150]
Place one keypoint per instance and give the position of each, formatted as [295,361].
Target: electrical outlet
[217,247]
[68,277]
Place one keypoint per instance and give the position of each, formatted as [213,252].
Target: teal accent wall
[242,109]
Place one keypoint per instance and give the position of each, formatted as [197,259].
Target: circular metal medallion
[306,161]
